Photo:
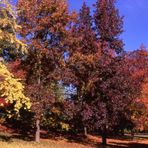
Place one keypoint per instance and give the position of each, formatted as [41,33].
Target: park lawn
[43,144]
[7,141]
[50,144]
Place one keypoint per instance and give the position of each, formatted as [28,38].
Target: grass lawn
[49,144]
[8,141]
[15,143]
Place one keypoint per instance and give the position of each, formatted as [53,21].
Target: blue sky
[135,14]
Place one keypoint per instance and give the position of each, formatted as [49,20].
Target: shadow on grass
[10,137]
[23,137]
[138,145]
[127,138]
[131,145]
[70,138]
[73,138]
[5,138]
[81,139]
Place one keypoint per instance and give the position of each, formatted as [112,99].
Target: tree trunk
[85,131]
[37,134]
[122,132]
[104,139]
[132,134]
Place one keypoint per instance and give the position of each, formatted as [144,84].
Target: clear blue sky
[135,14]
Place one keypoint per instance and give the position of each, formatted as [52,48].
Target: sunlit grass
[6,141]
[22,144]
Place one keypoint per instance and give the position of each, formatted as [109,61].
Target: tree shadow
[15,134]
[108,146]
[81,139]
[70,138]
[138,145]
[128,138]
[5,138]
[73,138]
[23,137]
[131,145]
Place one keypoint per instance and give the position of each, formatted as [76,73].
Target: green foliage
[55,118]
[59,91]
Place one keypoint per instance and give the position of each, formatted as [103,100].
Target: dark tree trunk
[104,139]
[132,134]
[37,134]
[122,132]
[104,136]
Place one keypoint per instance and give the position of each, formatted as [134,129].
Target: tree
[91,71]
[45,30]
[80,63]
[10,46]
[139,70]
[108,25]
[82,52]
[113,90]
[11,89]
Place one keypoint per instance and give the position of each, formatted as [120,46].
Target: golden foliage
[9,28]
[12,90]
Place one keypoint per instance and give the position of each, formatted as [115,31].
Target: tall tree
[83,51]
[80,62]
[113,90]
[105,86]
[109,25]
[45,30]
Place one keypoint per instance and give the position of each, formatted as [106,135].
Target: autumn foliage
[68,71]
[11,89]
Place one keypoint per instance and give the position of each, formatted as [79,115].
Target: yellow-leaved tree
[11,88]
[10,46]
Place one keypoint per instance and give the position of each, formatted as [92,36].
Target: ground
[13,140]
[8,141]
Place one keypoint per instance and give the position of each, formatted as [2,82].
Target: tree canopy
[11,88]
